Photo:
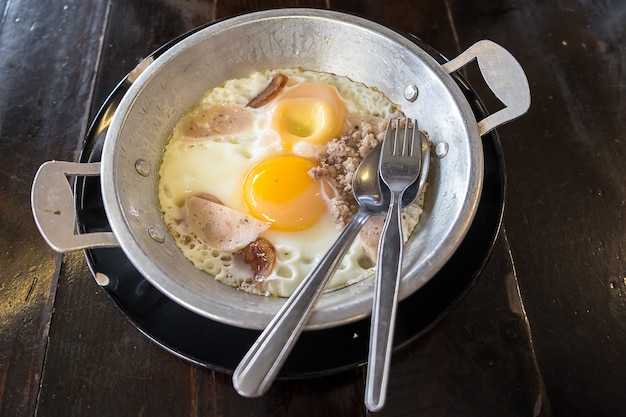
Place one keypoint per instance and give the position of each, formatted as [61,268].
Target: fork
[400,166]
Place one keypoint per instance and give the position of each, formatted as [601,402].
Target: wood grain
[565,215]
[540,333]
[43,96]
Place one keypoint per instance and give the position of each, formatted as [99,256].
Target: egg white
[218,167]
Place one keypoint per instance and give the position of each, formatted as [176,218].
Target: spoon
[262,363]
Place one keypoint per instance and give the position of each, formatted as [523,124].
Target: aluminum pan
[312,39]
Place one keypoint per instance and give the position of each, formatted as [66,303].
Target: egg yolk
[312,112]
[279,190]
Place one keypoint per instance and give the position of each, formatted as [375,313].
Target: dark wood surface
[542,331]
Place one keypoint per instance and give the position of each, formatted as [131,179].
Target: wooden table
[542,332]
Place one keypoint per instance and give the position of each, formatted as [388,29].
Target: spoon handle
[384,308]
[260,366]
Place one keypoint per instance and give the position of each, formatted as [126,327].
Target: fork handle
[260,366]
[384,307]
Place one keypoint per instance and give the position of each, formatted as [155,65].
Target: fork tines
[402,142]
[403,127]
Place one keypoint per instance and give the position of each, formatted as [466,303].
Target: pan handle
[53,208]
[504,76]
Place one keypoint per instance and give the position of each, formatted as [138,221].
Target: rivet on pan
[441,149]
[102,279]
[411,92]
[156,234]
[106,281]
[142,167]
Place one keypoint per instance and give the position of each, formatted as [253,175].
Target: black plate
[219,346]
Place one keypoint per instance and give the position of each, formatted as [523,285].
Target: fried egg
[255,161]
